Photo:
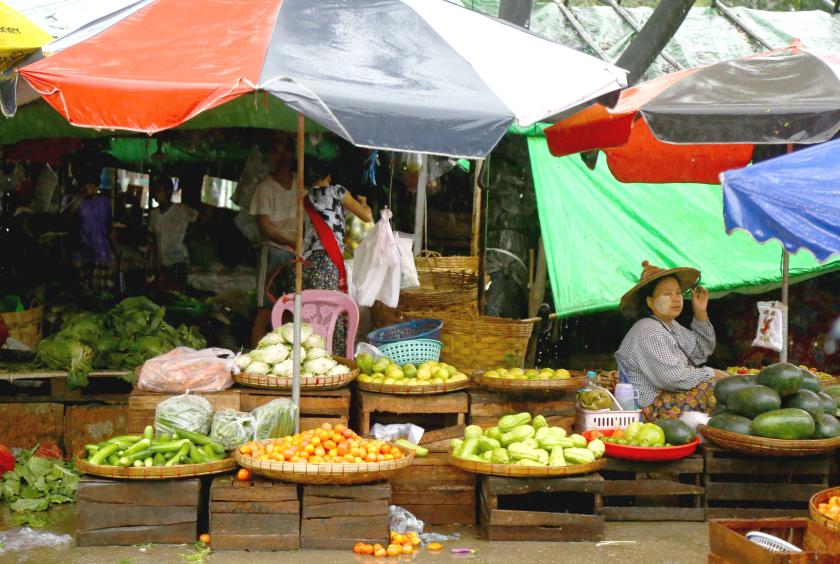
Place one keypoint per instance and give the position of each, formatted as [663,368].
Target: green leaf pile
[36,483]
[123,338]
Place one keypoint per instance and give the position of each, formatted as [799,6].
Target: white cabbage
[338,370]
[315,341]
[272,338]
[288,332]
[319,366]
[283,368]
[257,367]
[271,354]
[243,360]
[312,354]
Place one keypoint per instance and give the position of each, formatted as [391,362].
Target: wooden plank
[91,516]
[182,533]
[134,493]
[85,424]
[443,514]
[768,466]
[752,513]
[649,487]
[349,527]
[760,492]
[254,523]
[262,542]
[512,518]
[344,509]
[380,490]
[691,465]
[324,543]
[271,507]
[452,402]
[488,404]
[654,513]
[442,496]
[589,483]
[329,402]
[140,400]
[445,434]
[574,528]
[23,425]
[223,490]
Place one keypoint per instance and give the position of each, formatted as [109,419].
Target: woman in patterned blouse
[661,358]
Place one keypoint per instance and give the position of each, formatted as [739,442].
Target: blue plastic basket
[414,351]
[415,329]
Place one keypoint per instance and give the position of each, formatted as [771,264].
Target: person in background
[323,239]
[96,248]
[661,358]
[168,225]
[274,206]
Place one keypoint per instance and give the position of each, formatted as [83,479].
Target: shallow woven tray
[314,474]
[271,382]
[426,389]
[822,497]
[760,446]
[153,472]
[514,471]
[509,385]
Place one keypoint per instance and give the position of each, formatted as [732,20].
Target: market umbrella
[409,75]
[18,36]
[691,125]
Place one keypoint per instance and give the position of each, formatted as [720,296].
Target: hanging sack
[771,323]
[376,267]
[408,270]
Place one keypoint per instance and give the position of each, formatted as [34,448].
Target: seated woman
[661,358]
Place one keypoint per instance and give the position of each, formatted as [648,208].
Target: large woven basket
[822,497]
[514,471]
[511,386]
[760,446]
[440,290]
[429,260]
[315,474]
[25,326]
[285,383]
[153,472]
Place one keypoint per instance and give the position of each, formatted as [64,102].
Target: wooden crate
[653,491]
[337,517]
[743,486]
[328,406]
[440,439]
[85,424]
[23,425]
[438,410]
[435,491]
[51,386]
[141,405]
[487,407]
[255,515]
[728,543]
[128,512]
[541,509]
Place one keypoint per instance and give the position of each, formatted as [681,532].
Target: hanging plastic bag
[408,270]
[184,369]
[274,419]
[232,428]
[376,266]
[187,412]
[771,325]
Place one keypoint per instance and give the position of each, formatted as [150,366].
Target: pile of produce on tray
[146,450]
[661,433]
[520,439]
[782,401]
[529,374]
[742,370]
[273,355]
[326,445]
[36,479]
[831,508]
[400,543]
[385,371]
[123,338]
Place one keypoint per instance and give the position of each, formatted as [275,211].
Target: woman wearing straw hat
[661,358]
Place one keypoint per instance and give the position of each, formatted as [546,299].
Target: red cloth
[328,240]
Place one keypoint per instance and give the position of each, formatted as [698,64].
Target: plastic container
[626,396]
[416,329]
[771,543]
[415,351]
[588,419]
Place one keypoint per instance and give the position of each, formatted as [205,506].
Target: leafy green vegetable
[31,520]
[200,552]
[36,483]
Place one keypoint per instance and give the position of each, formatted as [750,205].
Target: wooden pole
[482,247]
[476,215]
[296,358]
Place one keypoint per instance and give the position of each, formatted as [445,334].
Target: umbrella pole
[783,357]
[298,274]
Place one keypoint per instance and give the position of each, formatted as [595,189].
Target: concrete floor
[625,543]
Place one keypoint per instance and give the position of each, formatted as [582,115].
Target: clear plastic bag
[274,419]
[408,270]
[376,266]
[26,538]
[402,520]
[187,370]
[232,428]
[188,412]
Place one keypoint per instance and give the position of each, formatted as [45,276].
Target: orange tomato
[205,538]
[245,449]
[319,451]
[339,428]
[394,550]
[316,441]
[407,548]
[348,433]
[380,552]
[310,448]
[385,449]
[329,444]
[368,549]
[397,538]
[380,458]
[415,540]
[326,426]
[370,457]
[396,451]
[243,475]
[358,547]
[434,546]
[337,438]
[388,457]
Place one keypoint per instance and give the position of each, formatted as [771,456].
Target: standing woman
[168,225]
[661,358]
[323,239]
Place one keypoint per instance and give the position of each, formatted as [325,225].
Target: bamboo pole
[296,359]
[476,215]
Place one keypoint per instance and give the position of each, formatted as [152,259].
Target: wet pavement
[625,543]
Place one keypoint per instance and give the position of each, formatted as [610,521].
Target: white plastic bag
[376,266]
[408,270]
[188,412]
[771,325]
[184,369]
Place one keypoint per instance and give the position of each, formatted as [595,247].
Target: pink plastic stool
[321,309]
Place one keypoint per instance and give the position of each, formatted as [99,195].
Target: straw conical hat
[631,302]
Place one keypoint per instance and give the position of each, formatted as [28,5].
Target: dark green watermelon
[805,400]
[829,403]
[794,424]
[725,386]
[676,431]
[784,377]
[731,423]
[809,381]
[754,400]
[828,427]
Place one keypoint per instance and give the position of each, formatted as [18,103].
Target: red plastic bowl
[648,454]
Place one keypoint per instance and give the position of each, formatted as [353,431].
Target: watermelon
[806,400]
[827,427]
[731,423]
[725,386]
[784,424]
[809,381]
[829,403]
[784,377]
[754,400]
[676,432]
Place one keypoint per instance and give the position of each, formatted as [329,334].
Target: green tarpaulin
[597,231]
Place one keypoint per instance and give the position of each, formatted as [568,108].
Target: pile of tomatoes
[329,444]
[401,543]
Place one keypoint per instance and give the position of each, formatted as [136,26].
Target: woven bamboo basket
[285,383]
[511,386]
[315,474]
[761,446]
[514,471]
[153,472]
[823,497]
[429,260]
[426,389]
[25,326]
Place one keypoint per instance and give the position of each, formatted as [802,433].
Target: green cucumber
[176,459]
[171,446]
[149,432]
[149,462]
[202,440]
[103,454]
[114,460]
[158,459]
[142,444]
[418,450]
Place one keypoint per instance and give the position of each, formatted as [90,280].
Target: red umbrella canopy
[691,125]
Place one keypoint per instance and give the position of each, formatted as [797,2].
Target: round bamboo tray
[822,497]
[425,389]
[514,471]
[761,446]
[509,385]
[315,474]
[285,383]
[153,472]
